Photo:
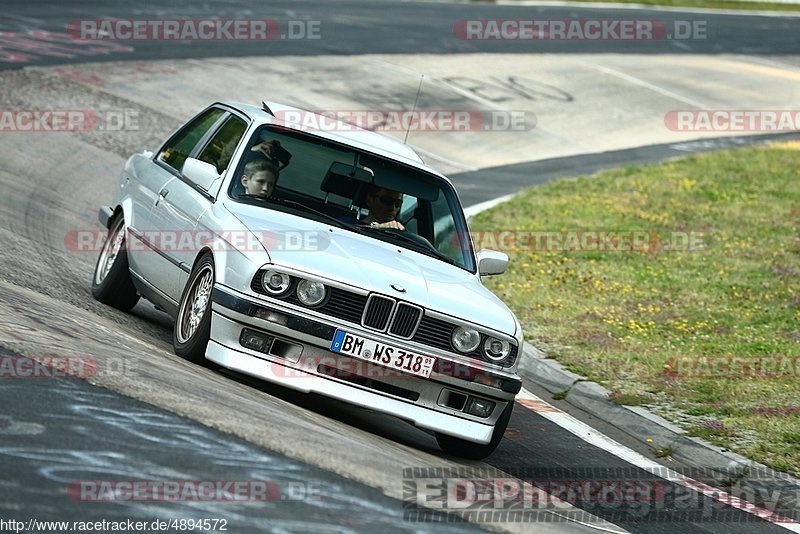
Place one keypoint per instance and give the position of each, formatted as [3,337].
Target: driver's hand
[391,224]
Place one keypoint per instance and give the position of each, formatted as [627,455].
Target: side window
[180,146]
[219,149]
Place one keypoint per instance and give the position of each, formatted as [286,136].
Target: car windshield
[369,194]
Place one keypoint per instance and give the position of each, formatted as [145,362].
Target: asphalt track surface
[202,424]
[386,27]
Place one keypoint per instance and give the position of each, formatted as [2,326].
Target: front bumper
[104,215]
[308,366]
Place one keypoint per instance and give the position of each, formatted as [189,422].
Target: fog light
[480,407]
[250,339]
[271,316]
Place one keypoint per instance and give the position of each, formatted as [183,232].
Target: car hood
[365,262]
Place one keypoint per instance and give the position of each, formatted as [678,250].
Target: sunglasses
[391,201]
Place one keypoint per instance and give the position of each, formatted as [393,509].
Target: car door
[154,258]
[181,203]
[186,203]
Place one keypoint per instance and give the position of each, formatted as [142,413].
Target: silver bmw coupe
[331,261]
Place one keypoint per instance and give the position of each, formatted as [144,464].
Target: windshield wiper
[425,248]
[303,207]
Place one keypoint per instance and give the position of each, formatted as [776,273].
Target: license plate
[382,354]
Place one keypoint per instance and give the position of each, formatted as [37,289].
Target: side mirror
[491,262]
[200,173]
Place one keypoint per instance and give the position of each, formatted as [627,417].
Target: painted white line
[648,85]
[682,46]
[601,441]
[422,152]
[488,204]
[489,104]
[27,20]
[568,519]
[769,62]
[469,95]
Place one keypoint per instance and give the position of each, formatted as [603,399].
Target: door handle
[161,194]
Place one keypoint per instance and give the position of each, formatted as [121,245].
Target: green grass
[664,452]
[625,318]
[628,399]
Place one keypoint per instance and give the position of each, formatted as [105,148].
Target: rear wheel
[111,283]
[193,324]
[475,451]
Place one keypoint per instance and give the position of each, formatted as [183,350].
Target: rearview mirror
[345,180]
[350,171]
[491,262]
[200,173]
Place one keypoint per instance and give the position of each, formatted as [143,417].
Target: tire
[111,281]
[193,323]
[475,451]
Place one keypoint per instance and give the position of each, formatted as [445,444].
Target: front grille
[377,313]
[405,320]
[340,303]
[435,333]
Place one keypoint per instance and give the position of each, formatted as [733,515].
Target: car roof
[349,134]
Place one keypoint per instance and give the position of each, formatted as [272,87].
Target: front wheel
[475,451]
[111,283]
[193,324]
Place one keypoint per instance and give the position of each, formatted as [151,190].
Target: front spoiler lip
[419,416]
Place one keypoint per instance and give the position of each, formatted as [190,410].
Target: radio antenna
[421,77]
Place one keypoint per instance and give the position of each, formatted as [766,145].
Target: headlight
[275,283]
[465,339]
[496,349]
[310,293]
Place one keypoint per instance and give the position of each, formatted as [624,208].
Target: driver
[259,178]
[384,205]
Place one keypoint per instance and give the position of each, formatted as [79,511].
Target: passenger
[259,178]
